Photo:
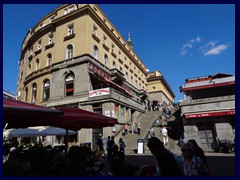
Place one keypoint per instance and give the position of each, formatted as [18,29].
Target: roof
[209,83]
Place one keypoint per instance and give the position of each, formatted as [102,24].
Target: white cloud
[188,45]
[198,39]
[215,50]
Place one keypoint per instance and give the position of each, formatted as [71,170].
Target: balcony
[117,75]
[69,37]
[95,37]
[49,46]
[114,94]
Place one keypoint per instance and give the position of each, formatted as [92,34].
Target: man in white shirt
[165,135]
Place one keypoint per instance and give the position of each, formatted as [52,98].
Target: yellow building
[75,56]
[158,88]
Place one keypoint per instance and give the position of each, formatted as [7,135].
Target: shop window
[95,52]
[46,90]
[34,93]
[69,85]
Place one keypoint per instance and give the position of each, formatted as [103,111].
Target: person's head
[155,145]
[193,142]
[187,150]
[108,137]
[120,140]
[112,138]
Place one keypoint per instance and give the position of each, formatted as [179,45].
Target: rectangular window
[70,30]
[71,9]
[50,38]
[46,94]
[113,46]
[69,89]
[95,30]
[105,39]
[39,44]
[34,95]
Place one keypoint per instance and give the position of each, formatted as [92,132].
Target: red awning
[22,115]
[209,114]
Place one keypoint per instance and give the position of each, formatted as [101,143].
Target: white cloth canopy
[29,132]
[21,132]
[49,131]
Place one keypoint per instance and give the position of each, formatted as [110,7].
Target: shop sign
[98,71]
[99,92]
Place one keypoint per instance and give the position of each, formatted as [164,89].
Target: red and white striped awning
[209,114]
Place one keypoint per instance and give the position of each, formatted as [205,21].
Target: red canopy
[21,115]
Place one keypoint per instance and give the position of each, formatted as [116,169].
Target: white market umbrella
[54,131]
[21,132]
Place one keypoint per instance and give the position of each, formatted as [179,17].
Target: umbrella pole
[66,147]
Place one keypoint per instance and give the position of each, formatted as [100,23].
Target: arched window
[29,68]
[37,64]
[26,94]
[121,69]
[49,59]
[95,52]
[69,85]
[114,64]
[106,60]
[126,76]
[69,51]
[46,90]
[34,93]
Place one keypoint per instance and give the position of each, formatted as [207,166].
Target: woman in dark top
[198,152]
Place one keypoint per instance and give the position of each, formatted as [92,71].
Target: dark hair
[193,142]
[154,142]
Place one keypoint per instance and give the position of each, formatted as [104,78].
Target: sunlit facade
[75,56]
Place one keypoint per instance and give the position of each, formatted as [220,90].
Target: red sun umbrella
[22,115]
[19,114]
[76,119]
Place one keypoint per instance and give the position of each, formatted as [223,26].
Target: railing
[210,99]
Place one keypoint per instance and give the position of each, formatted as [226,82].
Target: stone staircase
[131,139]
[147,120]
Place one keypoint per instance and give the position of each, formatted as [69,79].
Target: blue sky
[180,40]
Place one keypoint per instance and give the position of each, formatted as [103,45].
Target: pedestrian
[165,135]
[166,162]
[197,151]
[193,166]
[139,128]
[110,144]
[126,128]
[123,132]
[133,127]
[122,146]
[151,132]
[100,142]
[117,159]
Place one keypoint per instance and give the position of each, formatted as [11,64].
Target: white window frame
[39,44]
[70,29]
[69,53]
[95,30]
[50,39]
